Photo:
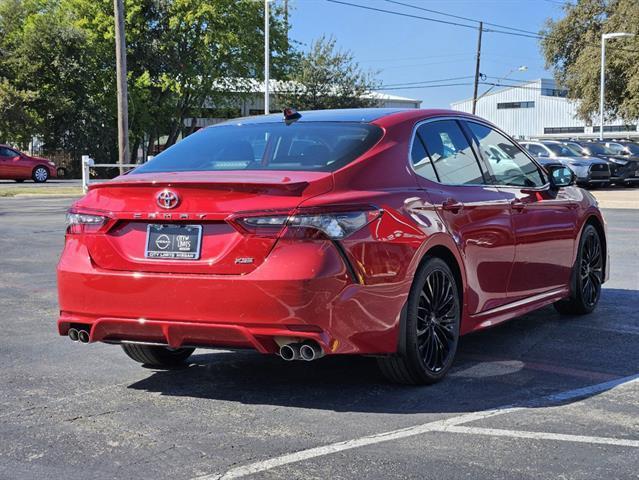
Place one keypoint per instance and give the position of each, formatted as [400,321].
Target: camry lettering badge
[167,199]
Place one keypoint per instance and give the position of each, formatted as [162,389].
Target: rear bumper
[593,181]
[302,291]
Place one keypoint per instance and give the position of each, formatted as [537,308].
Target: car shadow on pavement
[532,356]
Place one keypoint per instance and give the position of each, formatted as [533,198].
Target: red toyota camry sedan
[376,232]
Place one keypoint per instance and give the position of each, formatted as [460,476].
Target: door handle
[452,205]
[518,205]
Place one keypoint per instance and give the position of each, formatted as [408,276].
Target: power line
[535,36]
[430,19]
[427,81]
[428,86]
[402,14]
[460,17]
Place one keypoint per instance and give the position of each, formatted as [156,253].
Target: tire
[40,174]
[431,332]
[587,277]
[156,356]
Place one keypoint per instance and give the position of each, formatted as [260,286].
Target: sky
[404,50]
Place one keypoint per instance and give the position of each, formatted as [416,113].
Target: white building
[247,98]
[539,109]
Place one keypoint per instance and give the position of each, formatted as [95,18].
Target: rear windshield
[306,146]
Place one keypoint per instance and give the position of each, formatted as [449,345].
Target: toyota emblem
[167,199]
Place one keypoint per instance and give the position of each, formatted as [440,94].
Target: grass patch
[48,191]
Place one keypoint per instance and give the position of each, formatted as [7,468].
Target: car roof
[361,115]
[365,115]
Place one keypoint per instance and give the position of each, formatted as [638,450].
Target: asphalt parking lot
[542,396]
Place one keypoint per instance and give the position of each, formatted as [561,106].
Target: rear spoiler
[293,188]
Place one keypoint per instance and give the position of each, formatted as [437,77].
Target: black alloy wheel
[431,327]
[591,270]
[588,277]
[436,320]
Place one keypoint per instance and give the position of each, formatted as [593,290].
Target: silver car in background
[590,171]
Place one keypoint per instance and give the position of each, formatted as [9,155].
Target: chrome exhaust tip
[310,351]
[73,334]
[83,336]
[290,352]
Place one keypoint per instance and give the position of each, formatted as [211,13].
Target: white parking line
[498,432]
[441,425]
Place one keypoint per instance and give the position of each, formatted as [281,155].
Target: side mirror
[561,176]
[543,155]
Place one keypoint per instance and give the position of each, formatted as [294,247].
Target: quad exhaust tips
[79,335]
[307,351]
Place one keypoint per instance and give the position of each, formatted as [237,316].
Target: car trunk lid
[206,200]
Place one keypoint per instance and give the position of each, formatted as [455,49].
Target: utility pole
[267,55]
[481,29]
[121,72]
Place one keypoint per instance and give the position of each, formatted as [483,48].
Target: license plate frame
[173,242]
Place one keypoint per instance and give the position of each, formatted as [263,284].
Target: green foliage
[57,66]
[58,81]
[325,77]
[572,49]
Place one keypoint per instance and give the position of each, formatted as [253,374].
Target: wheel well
[447,256]
[595,222]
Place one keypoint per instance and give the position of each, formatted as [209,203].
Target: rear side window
[421,161]
[307,146]
[450,153]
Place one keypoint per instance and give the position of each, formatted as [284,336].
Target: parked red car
[379,232]
[18,166]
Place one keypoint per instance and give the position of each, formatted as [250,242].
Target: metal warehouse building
[539,109]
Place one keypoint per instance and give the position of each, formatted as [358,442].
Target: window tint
[450,153]
[597,149]
[509,165]
[421,161]
[7,152]
[615,148]
[633,148]
[536,149]
[562,150]
[267,146]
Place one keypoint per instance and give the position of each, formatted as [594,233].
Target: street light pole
[522,68]
[267,57]
[602,78]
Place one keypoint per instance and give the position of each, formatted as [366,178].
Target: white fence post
[86,163]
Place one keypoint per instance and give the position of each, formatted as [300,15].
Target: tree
[57,67]
[572,49]
[179,52]
[325,77]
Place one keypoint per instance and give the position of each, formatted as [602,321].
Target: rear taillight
[307,223]
[78,222]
